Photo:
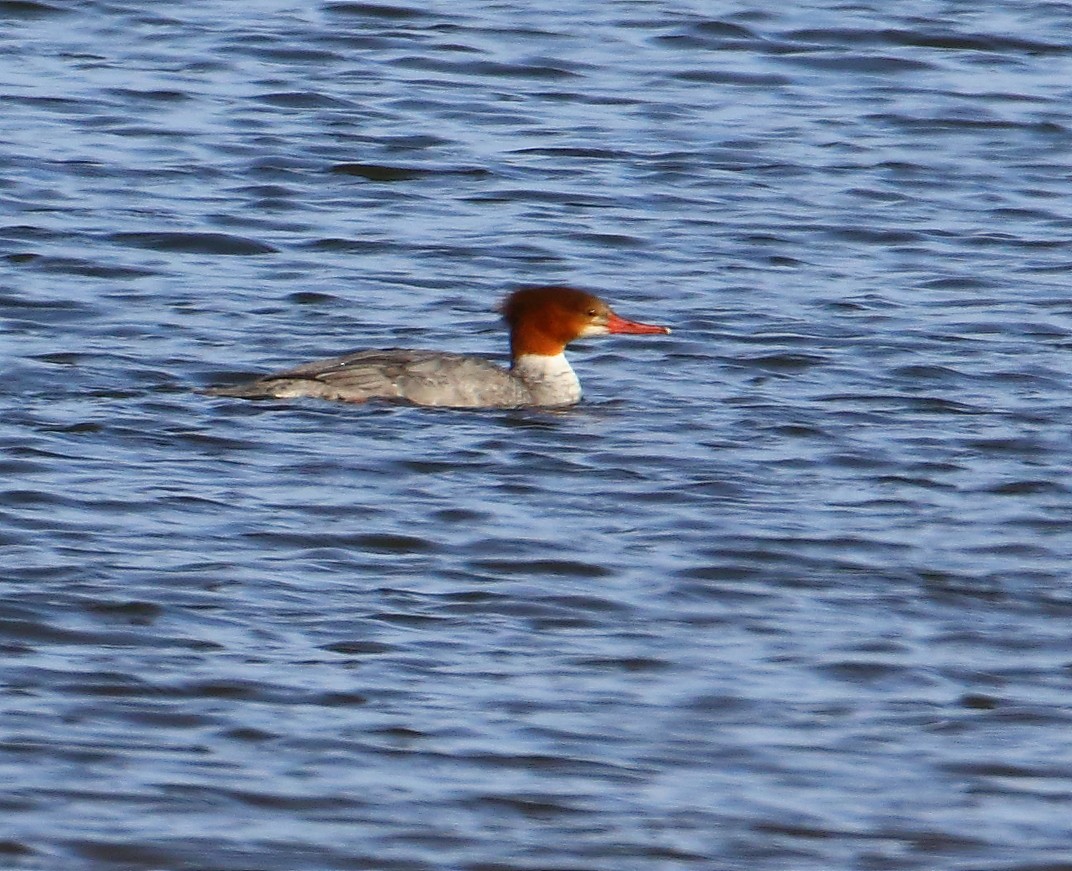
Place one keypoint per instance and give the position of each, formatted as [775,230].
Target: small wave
[194,243]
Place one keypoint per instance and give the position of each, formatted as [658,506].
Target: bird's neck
[549,376]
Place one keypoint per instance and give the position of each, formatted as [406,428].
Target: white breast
[551,379]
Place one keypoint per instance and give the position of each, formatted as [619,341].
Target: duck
[542,321]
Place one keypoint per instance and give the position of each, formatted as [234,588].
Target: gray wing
[421,377]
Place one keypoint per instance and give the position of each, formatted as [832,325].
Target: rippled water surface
[788,590]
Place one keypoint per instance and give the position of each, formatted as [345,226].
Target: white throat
[551,379]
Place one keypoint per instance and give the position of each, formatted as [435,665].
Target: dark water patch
[386,12]
[410,621]
[873,65]
[310,297]
[728,572]
[529,807]
[31,497]
[359,648]
[564,766]
[550,70]
[393,543]
[352,246]
[371,542]
[942,405]
[613,240]
[787,362]
[54,310]
[959,282]
[711,35]
[1002,44]
[26,233]
[552,568]
[538,195]
[301,100]
[778,830]
[112,685]
[427,467]
[979,701]
[151,95]
[968,125]
[276,801]
[1016,550]
[57,105]
[250,735]
[139,613]
[481,605]
[1028,487]
[859,671]
[11,847]
[875,235]
[1006,240]
[38,632]
[194,243]
[380,172]
[721,27]
[1001,769]
[267,191]
[925,372]
[885,402]
[225,689]
[386,173]
[284,169]
[227,853]
[76,266]
[1019,445]
[577,152]
[797,431]
[730,77]
[628,664]
[961,587]
[284,54]
[123,854]
[28,9]
[339,700]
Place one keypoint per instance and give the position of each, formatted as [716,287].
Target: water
[788,590]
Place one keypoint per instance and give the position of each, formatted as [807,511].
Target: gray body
[420,377]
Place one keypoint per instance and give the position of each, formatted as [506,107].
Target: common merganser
[542,321]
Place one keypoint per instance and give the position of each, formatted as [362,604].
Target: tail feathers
[248,390]
[287,388]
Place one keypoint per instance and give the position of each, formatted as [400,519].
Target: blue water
[788,590]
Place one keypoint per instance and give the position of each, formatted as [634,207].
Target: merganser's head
[543,320]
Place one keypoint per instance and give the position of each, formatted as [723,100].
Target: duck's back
[421,377]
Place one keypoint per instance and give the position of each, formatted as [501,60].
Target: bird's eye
[592,312]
